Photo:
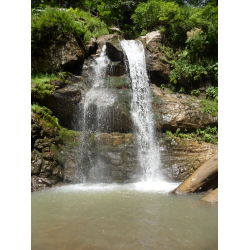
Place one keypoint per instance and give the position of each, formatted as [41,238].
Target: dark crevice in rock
[74,67]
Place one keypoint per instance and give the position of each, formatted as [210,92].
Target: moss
[59,157]
[65,136]
[43,85]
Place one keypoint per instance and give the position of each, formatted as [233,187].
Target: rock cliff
[109,155]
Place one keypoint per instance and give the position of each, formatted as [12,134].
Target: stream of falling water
[141,110]
[98,98]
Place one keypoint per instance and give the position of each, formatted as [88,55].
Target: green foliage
[182,90]
[146,14]
[195,92]
[54,21]
[212,93]
[193,29]
[143,33]
[173,88]
[169,134]
[40,84]
[45,114]
[208,135]
[163,86]
[59,157]
[68,136]
[209,107]
[182,68]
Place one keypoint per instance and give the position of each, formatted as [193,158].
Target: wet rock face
[114,50]
[49,164]
[108,111]
[64,53]
[181,157]
[178,111]
[64,104]
[112,157]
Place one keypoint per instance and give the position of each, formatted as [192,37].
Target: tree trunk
[203,179]
[212,197]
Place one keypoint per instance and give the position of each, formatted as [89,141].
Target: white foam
[147,186]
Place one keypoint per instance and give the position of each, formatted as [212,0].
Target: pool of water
[122,216]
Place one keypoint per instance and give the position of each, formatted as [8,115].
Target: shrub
[212,93]
[54,21]
[207,135]
[210,107]
[195,92]
[182,90]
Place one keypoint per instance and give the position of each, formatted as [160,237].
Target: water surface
[122,216]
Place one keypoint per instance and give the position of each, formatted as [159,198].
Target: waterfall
[141,109]
[98,99]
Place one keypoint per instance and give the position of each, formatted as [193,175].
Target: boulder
[158,69]
[91,47]
[101,40]
[35,167]
[179,111]
[201,179]
[114,49]
[212,197]
[62,52]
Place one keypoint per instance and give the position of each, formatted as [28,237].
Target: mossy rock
[117,82]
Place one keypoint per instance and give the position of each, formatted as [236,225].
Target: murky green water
[130,216]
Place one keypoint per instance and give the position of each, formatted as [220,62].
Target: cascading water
[129,216]
[141,110]
[98,98]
